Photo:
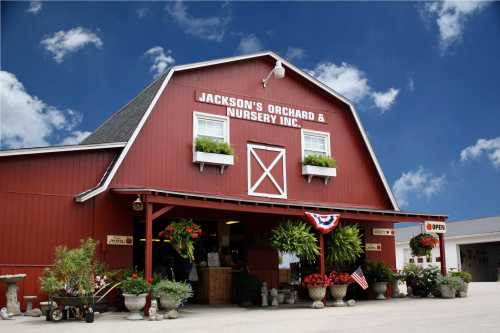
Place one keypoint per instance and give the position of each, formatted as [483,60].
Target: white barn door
[266,171]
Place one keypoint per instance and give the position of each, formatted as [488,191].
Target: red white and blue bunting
[323,223]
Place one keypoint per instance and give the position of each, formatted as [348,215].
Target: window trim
[197,114]
[304,131]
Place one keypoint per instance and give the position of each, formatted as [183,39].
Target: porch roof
[291,208]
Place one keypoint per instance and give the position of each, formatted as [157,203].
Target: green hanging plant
[344,246]
[295,237]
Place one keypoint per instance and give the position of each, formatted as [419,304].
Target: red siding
[161,157]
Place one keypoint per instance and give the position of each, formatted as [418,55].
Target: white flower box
[221,160]
[312,170]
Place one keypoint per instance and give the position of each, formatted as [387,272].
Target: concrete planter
[380,289]
[464,288]
[447,291]
[168,302]
[317,295]
[135,303]
[338,292]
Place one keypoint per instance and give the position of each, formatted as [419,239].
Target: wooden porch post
[442,253]
[148,259]
[321,255]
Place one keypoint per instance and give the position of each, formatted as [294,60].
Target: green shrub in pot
[379,275]
[449,285]
[465,278]
[172,293]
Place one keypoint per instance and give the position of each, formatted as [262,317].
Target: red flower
[161,234]
[134,276]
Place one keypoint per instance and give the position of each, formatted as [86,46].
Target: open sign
[435,226]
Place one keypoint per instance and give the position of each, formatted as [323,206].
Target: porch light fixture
[278,71]
[232,222]
[137,205]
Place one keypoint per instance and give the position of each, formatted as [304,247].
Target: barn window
[211,126]
[315,143]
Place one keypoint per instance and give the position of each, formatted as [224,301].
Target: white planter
[317,295]
[135,303]
[221,160]
[380,288]
[447,291]
[168,302]
[316,171]
[338,292]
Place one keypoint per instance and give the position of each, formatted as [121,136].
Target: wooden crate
[215,285]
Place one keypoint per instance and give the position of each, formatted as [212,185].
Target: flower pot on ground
[316,285]
[135,289]
[338,289]
[379,275]
[448,286]
[171,293]
[465,278]
[421,281]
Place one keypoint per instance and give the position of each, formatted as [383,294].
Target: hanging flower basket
[182,234]
[422,244]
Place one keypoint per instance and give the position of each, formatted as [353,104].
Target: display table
[215,285]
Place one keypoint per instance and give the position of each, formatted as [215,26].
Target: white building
[471,245]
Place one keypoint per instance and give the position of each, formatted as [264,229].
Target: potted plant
[135,289]
[448,286]
[338,289]
[422,244]
[182,234]
[316,285]
[465,278]
[210,151]
[295,237]
[421,281]
[379,274]
[319,165]
[171,293]
[344,247]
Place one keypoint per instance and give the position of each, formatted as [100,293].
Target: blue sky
[424,76]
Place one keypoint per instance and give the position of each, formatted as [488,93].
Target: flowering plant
[317,280]
[341,278]
[135,285]
[182,235]
[422,244]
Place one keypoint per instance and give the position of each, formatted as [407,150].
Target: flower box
[221,160]
[312,170]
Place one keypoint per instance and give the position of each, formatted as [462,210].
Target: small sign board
[435,226]
[383,231]
[119,240]
[373,247]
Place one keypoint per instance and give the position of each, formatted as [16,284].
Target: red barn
[145,152]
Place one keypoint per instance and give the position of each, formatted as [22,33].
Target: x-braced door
[266,171]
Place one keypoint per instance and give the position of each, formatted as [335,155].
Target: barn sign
[260,111]
[383,232]
[435,226]
[119,240]
[377,247]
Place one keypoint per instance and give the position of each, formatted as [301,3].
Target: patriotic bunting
[323,223]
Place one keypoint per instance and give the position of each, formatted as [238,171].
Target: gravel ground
[480,312]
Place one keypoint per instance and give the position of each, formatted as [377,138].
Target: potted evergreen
[448,286]
[319,165]
[171,293]
[295,237]
[379,275]
[316,285]
[465,278]
[135,289]
[210,151]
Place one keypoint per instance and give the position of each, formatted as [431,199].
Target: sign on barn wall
[383,232]
[260,111]
[435,226]
[119,240]
[373,247]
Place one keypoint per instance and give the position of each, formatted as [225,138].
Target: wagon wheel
[56,315]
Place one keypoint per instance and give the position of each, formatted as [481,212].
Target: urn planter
[464,287]
[380,288]
[135,303]
[221,160]
[168,302]
[317,295]
[338,292]
[447,291]
[317,171]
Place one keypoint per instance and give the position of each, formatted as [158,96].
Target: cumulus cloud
[27,121]
[161,60]
[451,17]
[209,28]
[75,137]
[142,12]
[352,82]
[490,147]
[35,7]
[295,53]
[64,42]
[249,44]
[419,182]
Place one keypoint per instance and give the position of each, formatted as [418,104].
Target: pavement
[478,313]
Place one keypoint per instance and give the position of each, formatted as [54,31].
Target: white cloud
[419,182]
[161,61]
[142,12]
[35,7]
[384,101]
[352,82]
[209,28]
[491,147]
[451,17]
[75,137]
[411,84]
[27,121]
[63,42]
[295,53]
[249,44]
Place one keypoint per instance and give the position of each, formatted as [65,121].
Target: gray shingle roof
[120,126]
[458,228]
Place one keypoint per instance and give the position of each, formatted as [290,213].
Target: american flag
[359,277]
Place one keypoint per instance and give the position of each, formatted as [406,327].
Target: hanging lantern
[137,205]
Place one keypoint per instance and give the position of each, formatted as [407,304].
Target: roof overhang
[60,149]
[197,200]
[109,176]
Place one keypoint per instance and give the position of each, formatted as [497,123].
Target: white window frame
[217,117]
[266,169]
[304,131]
